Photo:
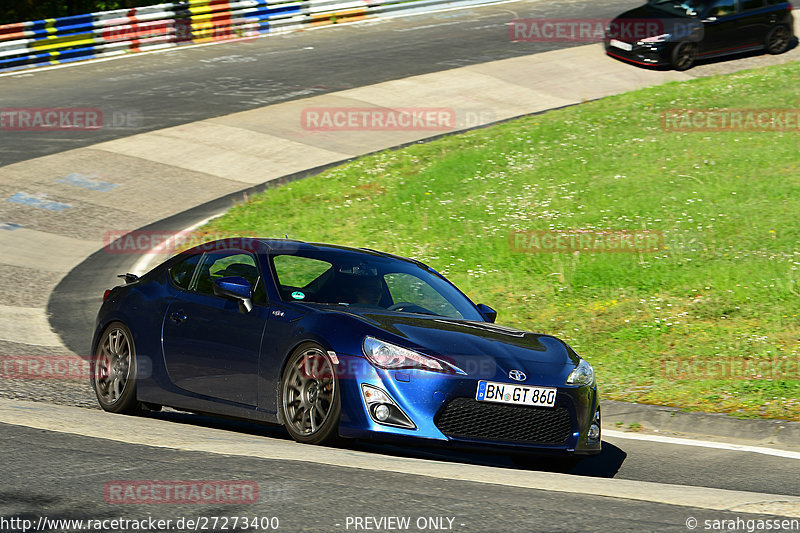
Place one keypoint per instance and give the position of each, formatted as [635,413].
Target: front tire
[778,40]
[114,371]
[310,396]
[683,56]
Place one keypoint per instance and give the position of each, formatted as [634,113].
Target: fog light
[383,409]
[593,435]
[382,412]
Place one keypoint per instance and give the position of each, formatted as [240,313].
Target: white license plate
[620,44]
[490,391]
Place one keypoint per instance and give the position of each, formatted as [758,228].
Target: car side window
[748,5]
[181,273]
[294,273]
[723,8]
[223,264]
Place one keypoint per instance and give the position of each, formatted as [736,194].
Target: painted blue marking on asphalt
[87,182]
[38,201]
[9,226]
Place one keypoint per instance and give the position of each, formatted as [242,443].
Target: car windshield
[687,8]
[364,282]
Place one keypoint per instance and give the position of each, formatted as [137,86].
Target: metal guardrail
[111,33]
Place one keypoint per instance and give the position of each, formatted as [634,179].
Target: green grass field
[658,327]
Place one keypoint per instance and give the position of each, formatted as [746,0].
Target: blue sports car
[335,342]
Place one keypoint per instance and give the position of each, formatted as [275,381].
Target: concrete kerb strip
[620,415]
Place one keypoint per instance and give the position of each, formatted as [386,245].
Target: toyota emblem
[517,375]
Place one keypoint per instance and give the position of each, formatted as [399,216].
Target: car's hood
[478,348]
[648,21]
[645,12]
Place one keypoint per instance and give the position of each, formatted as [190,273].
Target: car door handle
[178,316]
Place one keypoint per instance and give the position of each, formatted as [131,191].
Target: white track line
[145,263]
[702,444]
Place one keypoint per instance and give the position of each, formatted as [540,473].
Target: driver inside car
[368,291]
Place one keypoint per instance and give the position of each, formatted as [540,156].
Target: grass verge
[707,322]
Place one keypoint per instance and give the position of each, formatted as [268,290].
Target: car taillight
[105,294]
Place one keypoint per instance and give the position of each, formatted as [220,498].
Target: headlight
[385,355]
[656,38]
[583,374]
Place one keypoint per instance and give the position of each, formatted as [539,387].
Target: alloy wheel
[309,393]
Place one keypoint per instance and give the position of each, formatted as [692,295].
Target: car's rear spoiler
[129,278]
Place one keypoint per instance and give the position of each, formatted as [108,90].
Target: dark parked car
[677,32]
[333,341]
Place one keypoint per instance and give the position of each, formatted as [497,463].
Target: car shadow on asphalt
[605,464]
[744,55]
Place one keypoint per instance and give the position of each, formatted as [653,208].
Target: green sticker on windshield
[297,295]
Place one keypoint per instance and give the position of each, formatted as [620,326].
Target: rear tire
[310,397]
[683,56]
[778,40]
[114,371]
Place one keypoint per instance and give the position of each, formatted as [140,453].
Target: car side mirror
[235,288]
[487,312]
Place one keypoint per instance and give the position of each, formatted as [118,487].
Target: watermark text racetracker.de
[777,120]
[59,367]
[67,119]
[139,492]
[440,119]
[592,30]
[139,242]
[586,240]
[730,368]
[31,367]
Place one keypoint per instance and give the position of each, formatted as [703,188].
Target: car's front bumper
[651,55]
[444,412]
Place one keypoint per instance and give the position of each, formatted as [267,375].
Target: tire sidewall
[127,402]
[675,52]
[329,431]
[769,38]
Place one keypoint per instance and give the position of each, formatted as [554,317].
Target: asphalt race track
[317,488]
[57,460]
[62,476]
[153,91]
[185,85]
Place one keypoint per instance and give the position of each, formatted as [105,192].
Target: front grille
[467,418]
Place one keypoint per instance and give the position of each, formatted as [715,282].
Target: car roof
[288,246]
[275,245]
